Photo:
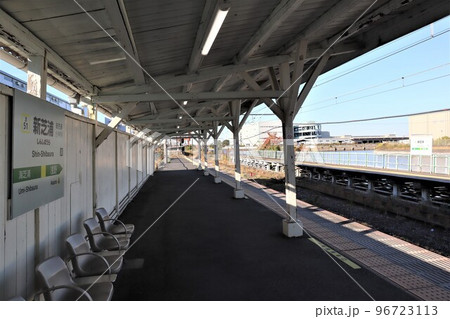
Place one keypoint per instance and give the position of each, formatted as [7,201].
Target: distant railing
[431,164]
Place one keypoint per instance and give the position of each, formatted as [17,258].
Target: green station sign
[38,153]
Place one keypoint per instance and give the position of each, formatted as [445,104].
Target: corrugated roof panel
[25,10]
[295,23]
[164,36]
[164,32]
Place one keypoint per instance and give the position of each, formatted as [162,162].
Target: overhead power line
[381,117]
[358,120]
[409,46]
[383,57]
[402,78]
[377,93]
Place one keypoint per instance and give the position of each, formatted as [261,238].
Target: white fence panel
[105,173]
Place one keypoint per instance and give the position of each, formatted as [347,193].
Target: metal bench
[56,284]
[107,224]
[100,240]
[87,264]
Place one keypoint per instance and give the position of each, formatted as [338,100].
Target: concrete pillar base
[206,172]
[238,193]
[217,180]
[292,229]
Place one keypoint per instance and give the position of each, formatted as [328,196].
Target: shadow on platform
[209,246]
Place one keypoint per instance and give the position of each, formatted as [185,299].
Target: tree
[225,143]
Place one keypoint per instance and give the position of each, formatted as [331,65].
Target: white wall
[20,244]
[123,168]
[105,173]
[436,124]
[133,168]
[3,187]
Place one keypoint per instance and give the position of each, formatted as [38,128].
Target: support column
[205,151]
[235,112]
[37,76]
[217,179]
[116,170]
[37,86]
[199,140]
[292,227]
[238,191]
[153,158]
[165,152]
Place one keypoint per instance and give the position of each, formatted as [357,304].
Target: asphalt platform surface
[194,241]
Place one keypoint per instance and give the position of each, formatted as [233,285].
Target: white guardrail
[431,164]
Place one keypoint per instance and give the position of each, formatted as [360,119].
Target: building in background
[309,131]
[436,124]
[254,134]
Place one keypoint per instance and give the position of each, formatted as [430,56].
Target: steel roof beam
[119,19]
[278,15]
[103,99]
[282,11]
[171,112]
[16,36]
[196,57]
[180,121]
[329,17]
[170,81]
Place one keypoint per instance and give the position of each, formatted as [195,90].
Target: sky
[331,99]
[22,75]
[414,80]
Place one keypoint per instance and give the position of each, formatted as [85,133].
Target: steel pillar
[236,111]
[205,151]
[292,227]
[37,86]
[165,152]
[238,191]
[217,179]
[199,141]
[37,76]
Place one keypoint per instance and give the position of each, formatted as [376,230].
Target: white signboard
[38,153]
[421,144]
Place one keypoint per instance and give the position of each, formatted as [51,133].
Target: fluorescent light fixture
[184,102]
[107,61]
[219,18]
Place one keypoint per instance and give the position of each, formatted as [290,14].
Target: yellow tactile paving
[432,293]
[411,281]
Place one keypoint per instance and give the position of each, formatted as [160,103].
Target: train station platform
[193,241]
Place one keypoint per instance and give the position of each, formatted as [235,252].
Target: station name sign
[38,153]
[421,144]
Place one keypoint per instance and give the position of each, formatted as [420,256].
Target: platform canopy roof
[140,60]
